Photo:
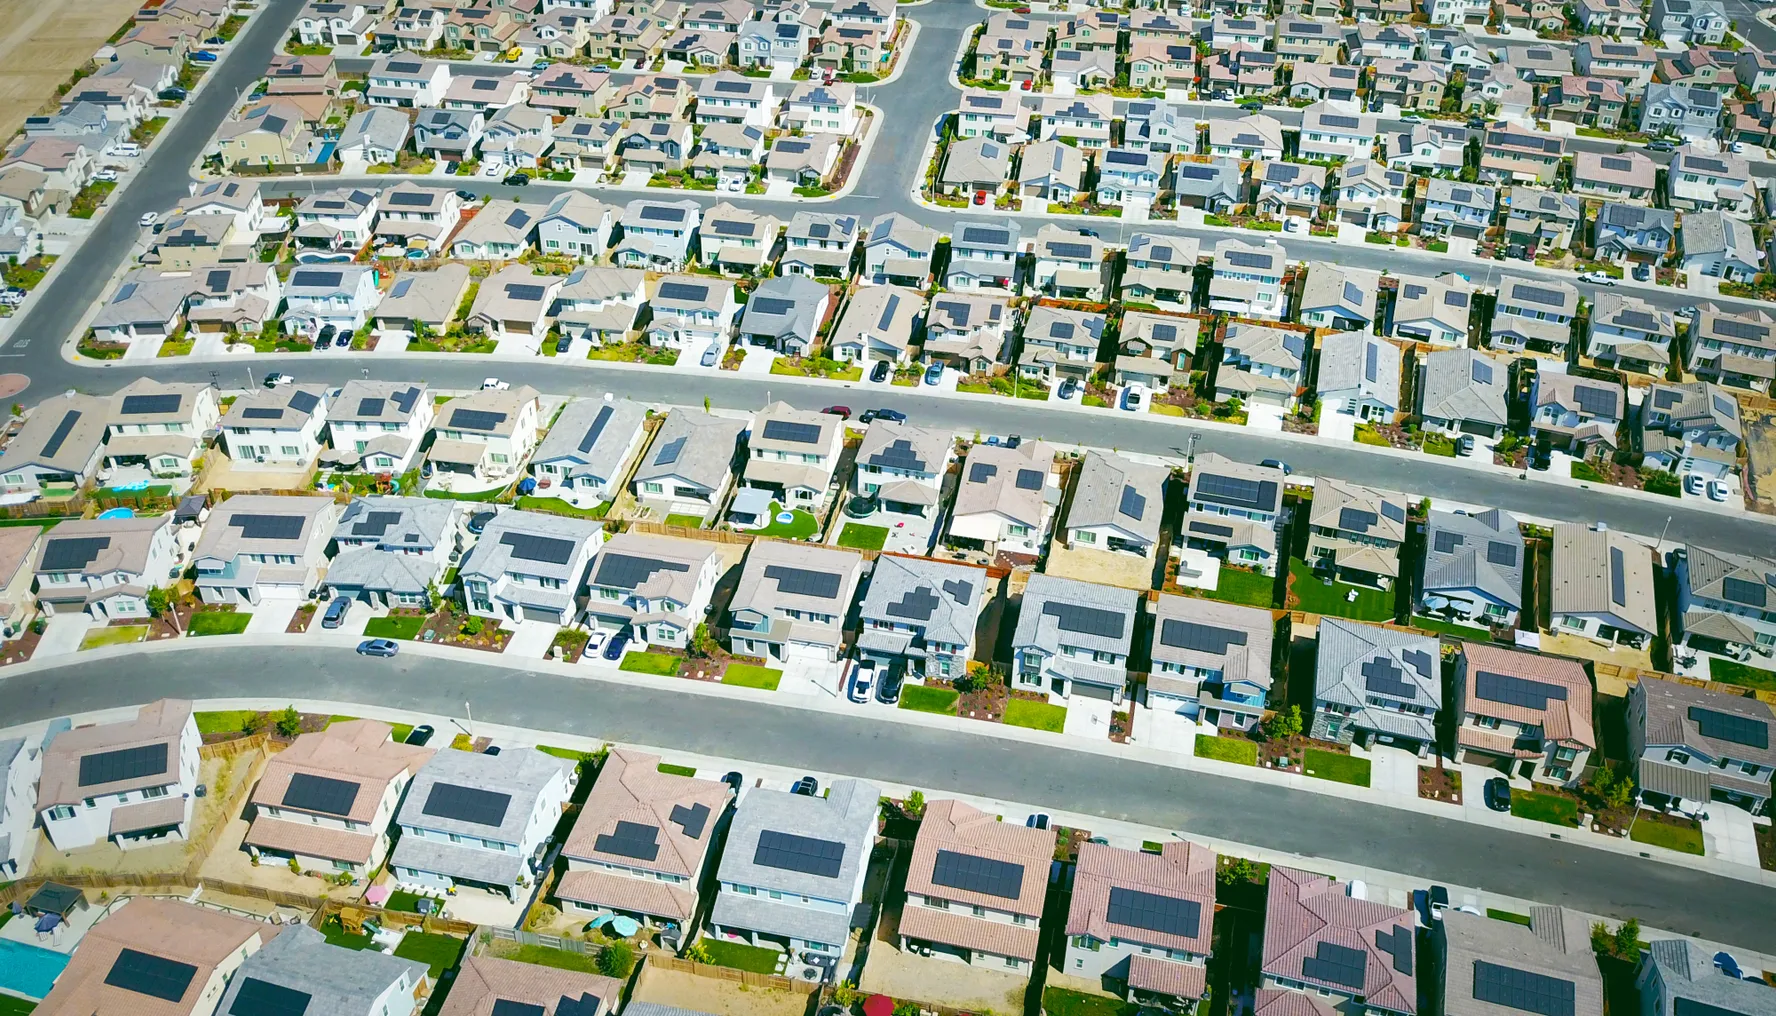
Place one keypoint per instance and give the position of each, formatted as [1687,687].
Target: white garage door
[541,614]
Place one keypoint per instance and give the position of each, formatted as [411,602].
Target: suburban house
[1627,177]
[657,234]
[918,618]
[898,251]
[1693,746]
[1629,233]
[422,303]
[1371,194]
[785,313]
[793,454]
[1525,713]
[1232,511]
[327,800]
[792,601]
[1141,922]
[106,567]
[1602,586]
[975,888]
[983,256]
[258,546]
[394,551]
[640,843]
[819,244]
[1576,414]
[1362,373]
[1248,279]
[1131,178]
[1116,505]
[656,587]
[1679,975]
[975,166]
[738,241]
[418,218]
[1162,269]
[20,767]
[130,782]
[335,219]
[374,136]
[599,304]
[1721,246]
[1458,209]
[340,296]
[1211,661]
[1724,603]
[485,983]
[1007,498]
[688,466]
[582,457]
[1212,186]
[1261,364]
[1630,334]
[1473,568]
[528,566]
[1069,265]
[1060,342]
[378,425]
[970,332]
[1486,963]
[792,870]
[1433,311]
[903,466]
[300,965]
[1534,316]
[1326,945]
[1074,637]
[484,437]
[1700,181]
[1683,110]
[691,311]
[501,230]
[1328,131]
[879,324]
[1289,188]
[472,820]
[59,447]
[1537,218]
[202,948]
[1733,350]
[1511,154]
[1376,685]
[1355,532]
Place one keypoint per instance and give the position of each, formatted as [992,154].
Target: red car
[980,197]
[842,412]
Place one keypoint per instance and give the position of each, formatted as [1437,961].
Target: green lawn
[397,731]
[1460,631]
[155,490]
[118,636]
[748,676]
[650,663]
[217,622]
[1234,585]
[556,506]
[1683,839]
[1327,765]
[1507,917]
[672,770]
[802,527]
[1067,1002]
[1227,749]
[406,902]
[571,754]
[690,521]
[335,934]
[12,1006]
[1561,811]
[400,627]
[1318,598]
[919,698]
[440,951]
[226,721]
[1730,672]
[860,537]
[480,495]
[741,956]
[560,959]
[1036,715]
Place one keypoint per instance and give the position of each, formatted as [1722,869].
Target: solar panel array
[1516,691]
[1198,637]
[662,213]
[63,429]
[1536,294]
[1356,519]
[476,419]
[770,306]
[1595,401]
[145,404]
[984,875]
[1616,165]
[1085,620]
[1030,479]
[72,553]
[524,291]
[1336,964]
[1122,158]
[1445,542]
[1501,554]
[267,527]
[1738,590]
[1245,259]
[804,854]
[467,804]
[1393,511]
[1752,733]
[1397,943]
[263,998]
[121,764]
[785,430]
[1075,251]
[543,549]
[262,413]
[899,454]
[1523,989]
[1480,371]
[803,582]
[507,1007]
[599,422]
[323,794]
[1741,329]
[1618,577]
[889,307]
[1371,353]
[1167,915]
[670,451]
[682,291]
[916,604]
[630,839]
[1132,503]
[982,472]
[984,235]
[147,974]
[1383,676]
[1235,491]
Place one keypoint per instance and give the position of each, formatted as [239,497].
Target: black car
[492,749]
[1251,104]
[807,786]
[1498,794]
[479,522]
[518,180]
[1068,387]
[1089,232]
[1036,821]
[1277,464]
[468,195]
[891,415]
[173,94]
[613,650]
[564,344]
[419,735]
[879,372]
[888,688]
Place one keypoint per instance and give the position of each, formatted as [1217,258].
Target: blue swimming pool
[28,970]
[117,513]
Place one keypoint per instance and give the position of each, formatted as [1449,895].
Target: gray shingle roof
[1039,624]
[955,592]
[1113,491]
[1688,972]
[1455,390]
[1348,649]
[845,816]
[695,446]
[1555,945]
[492,554]
[591,436]
[1460,554]
[342,982]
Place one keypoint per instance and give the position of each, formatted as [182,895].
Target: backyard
[801,526]
[1308,592]
[1329,765]
[1057,1001]
[1744,675]
[1227,749]
[741,956]
[860,537]
[438,951]
[1235,585]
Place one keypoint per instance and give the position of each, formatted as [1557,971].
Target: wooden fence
[746,977]
[572,945]
[395,918]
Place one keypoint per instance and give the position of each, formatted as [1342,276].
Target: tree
[1622,944]
[1613,787]
[473,625]
[701,645]
[1239,869]
[617,960]
[1283,724]
[289,722]
[914,805]
[161,604]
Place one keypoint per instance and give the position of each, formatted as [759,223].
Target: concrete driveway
[62,634]
[1088,717]
[1729,834]
[531,639]
[1335,425]
[1166,730]
[272,617]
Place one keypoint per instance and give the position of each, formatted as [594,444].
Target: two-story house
[793,453]
[257,546]
[1261,364]
[1339,297]
[903,466]
[317,297]
[918,617]
[280,427]
[378,425]
[969,331]
[792,601]
[898,252]
[528,566]
[1473,568]
[1074,637]
[1708,181]
[160,425]
[1116,505]
[1376,686]
[301,964]
[657,234]
[59,447]
[1289,188]
[1534,316]
[1691,428]
[394,551]
[1006,498]
[414,217]
[1433,311]
[1602,586]
[1458,209]
[132,782]
[1355,532]
[984,256]
[1526,713]
[655,587]
[687,468]
[820,244]
[106,566]
[1248,279]
[1696,746]
[1630,334]
[485,437]
[975,888]
[1734,350]
[1069,265]
[1726,604]
[878,325]
[203,947]
[1232,511]
[1141,923]
[1577,414]
[1211,661]
[1326,945]
[1060,342]
[473,820]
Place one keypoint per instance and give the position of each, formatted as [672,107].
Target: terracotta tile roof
[484,980]
[631,788]
[356,751]
[1566,719]
[156,722]
[165,928]
[621,892]
[1305,910]
[310,840]
[1277,1002]
[1182,870]
[995,937]
[1170,977]
[952,825]
[165,811]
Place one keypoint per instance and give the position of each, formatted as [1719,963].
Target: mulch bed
[20,649]
[1516,458]
[1766,842]
[1436,783]
[1396,436]
[1296,424]
[445,627]
[267,721]
[984,704]
[1068,841]
[1294,749]
[300,620]
[1122,726]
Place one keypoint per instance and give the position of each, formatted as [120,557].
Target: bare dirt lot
[714,995]
[43,43]
[1760,466]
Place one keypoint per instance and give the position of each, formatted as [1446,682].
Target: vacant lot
[43,44]
[1101,566]
[714,995]
[1760,466]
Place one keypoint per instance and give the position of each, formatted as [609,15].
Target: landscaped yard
[1315,597]
[225,721]
[1036,715]
[1234,585]
[1067,1002]
[1462,631]
[802,526]
[922,699]
[747,675]
[1329,765]
[396,627]
[1561,811]
[218,622]
[440,951]
[1227,749]
[406,902]
[1731,672]
[121,635]
[1685,839]
[478,495]
[560,959]
[858,537]
[741,956]
[689,521]
[650,663]
[674,770]
[556,506]
[335,934]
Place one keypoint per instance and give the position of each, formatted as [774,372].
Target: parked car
[1134,398]
[1693,483]
[1089,232]
[276,379]
[879,373]
[564,344]
[1498,794]
[518,180]
[1251,104]
[888,688]
[172,94]
[336,611]
[494,384]
[1598,278]
[980,197]
[1277,464]
[468,195]
[934,374]
[148,219]
[863,676]
[419,735]
[1643,273]
[1036,821]
[1717,490]
[734,780]
[479,521]
[1517,252]
[1464,445]
[594,642]
[711,356]
[106,176]
[613,650]
[891,415]
[343,342]
[807,786]
[842,412]
[1661,146]
[325,339]
[1069,388]
[377,647]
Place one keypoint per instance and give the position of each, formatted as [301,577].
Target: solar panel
[121,764]
[805,854]
[467,804]
[1244,259]
[770,306]
[1085,620]
[1165,334]
[983,235]
[1074,251]
[316,278]
[1516,691]
[544,549]
[621,571]
[888,310]
[898,454]
[1133,504]
[476,419]
[1393,512]
[917,604]
[683,291]
[983,875]
[263,998]
[960,590]
[630,839]
[308,792]
[1523,990]
[154,976]
[1168,915]
[1638,319]
[1396,942]
[1211,529]
[1618,576]
[1370,353]
[1336,964]
[262,413]
[370,407]
[304,402]
[981,472]
[72,553]
[54,444]
[669,452]
[1595,401]
[690,820]
[1445,543]
[1752,594]
[268,527]
[1356,520]
[1740,329]
[1060,329]
[1382,676]
[507,1007]
[146,404]
[803,582]
[1030,479]
[1480,371]
[1502,554]
[784,430]
[1120,158]
[1729,727]
[1681,1006]
[410,198]
[524,291]
[1235,491]
[1197,637]
[519,219]
[1536,294]
[661,213]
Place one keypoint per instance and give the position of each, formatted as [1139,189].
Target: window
[150,793]
[1082,536]
[61,813]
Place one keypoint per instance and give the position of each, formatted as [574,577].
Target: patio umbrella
[376,894]
[625,926]
[878,1005]
[48,922]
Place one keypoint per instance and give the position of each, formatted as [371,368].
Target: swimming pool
[118,513]
[28,970]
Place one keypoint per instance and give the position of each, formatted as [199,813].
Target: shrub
[698,953]
[295,866]
[914,805]
[289,724]
[1283,725]
[617,960]
[1239,869]
[473,625]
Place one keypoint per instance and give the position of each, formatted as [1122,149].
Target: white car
[494,384]
[1598,278]
[106,176]
[147,219]
[1693,484]
[1134,398]
[1717,490]
[278,380]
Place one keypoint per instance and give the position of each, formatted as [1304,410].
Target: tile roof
[483,981]
[1305,910]
[159,722]
[951,826]
[1567,719]
[631,788]
[1182,870]
[175,931]
[355,751]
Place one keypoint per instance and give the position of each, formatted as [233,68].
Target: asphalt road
[1663,895]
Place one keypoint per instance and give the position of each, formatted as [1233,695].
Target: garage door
[1094,691]
[280,590]
[540,614]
